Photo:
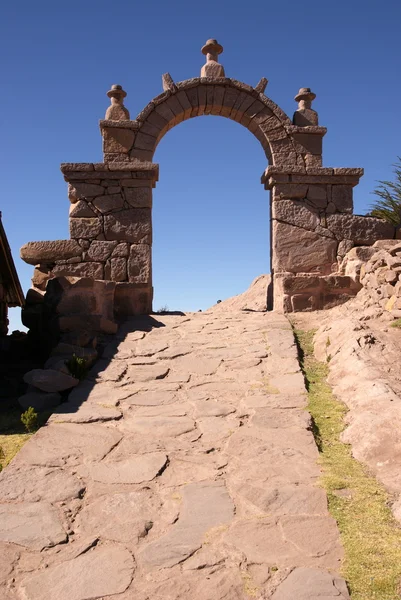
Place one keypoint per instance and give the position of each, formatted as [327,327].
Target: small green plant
[2,457]
[29,419]
[328,342]
[77,367]
[396,323]
[162,309]
[328,358]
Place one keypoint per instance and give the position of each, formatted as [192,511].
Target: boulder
[35,253]
[50,380]
[39,401]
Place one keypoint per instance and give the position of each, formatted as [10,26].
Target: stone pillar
[312,228]
[212,68]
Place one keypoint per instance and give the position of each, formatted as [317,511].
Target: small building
[11,293]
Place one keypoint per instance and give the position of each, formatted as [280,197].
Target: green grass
[396,323]
[369,533]
[13,434]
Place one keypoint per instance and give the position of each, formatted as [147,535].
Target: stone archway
[110,217]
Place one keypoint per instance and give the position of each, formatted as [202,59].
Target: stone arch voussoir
[225,97]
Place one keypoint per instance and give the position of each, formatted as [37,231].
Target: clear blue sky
[211,219]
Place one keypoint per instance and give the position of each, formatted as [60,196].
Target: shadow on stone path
[183,467]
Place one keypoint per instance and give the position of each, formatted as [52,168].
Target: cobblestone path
[183,467]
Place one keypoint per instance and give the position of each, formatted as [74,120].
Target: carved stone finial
[262,85]
[117,110]
[305,115]
[212,68]
[168,83]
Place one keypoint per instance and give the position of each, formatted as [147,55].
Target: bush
[30,419]
[77,367]
[388,204]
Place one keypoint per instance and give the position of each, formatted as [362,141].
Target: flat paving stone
[97,573]
[122,517]
[135,469]
[34,525]
[67,443]
[34,484]
[205,505]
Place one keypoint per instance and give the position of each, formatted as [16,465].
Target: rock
[39,401]
[87,228]
[361,230]
[79,191]
[49,380]
[55,445]
[255,298]
[146,373]
[138,197]
[87,413]
[81,209]
[161,426]
[35,253]
[305,584]
[35,525]
[286,541]
[35,484]
[103,571]
[123,517]
[108,203]
[100,251]
[295,213]
[133,225]
[135,469]
[139,263]
[205,505]
[312,252]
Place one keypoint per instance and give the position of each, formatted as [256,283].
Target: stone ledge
[311,129]
[116,166]
[328,175]
[48,252]
[134,125]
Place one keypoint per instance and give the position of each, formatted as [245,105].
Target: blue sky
[211,214]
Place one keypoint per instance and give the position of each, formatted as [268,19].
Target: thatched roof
[14,295]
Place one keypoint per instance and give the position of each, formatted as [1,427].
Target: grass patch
[369,533]
[396,323]
[13,434]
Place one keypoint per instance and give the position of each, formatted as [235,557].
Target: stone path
[183,467]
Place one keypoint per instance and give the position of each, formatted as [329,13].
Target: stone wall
[312,229]
[111,233]
[377,271]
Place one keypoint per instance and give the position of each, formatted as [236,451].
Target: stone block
[139,263]
[80,191]
[96,323]
[81,209]
[143,155]
[39,400]
[41,276]
[108,203]
[100,251]
[88,297]
[138,197]
[341,196]
[87,228]
[296,250]
[35,253]
[313,160]
[305,117]
[304,302]
[117,139]
[307,143]
[93,270]
[295,213]
[49,380]
[118,269]
[296,284]
[289,191]
[130,300]
[318,195]
[133,225]
[359,229]
[121,250]
[144,141]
